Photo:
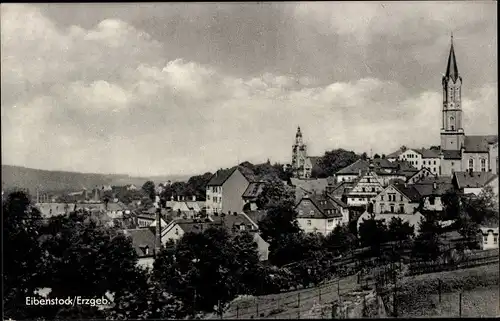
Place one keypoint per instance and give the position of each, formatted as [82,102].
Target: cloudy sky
[184,88]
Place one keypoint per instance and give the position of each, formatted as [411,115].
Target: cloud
[104,99]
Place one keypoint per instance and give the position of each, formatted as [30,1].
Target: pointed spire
[298,131]
[452,69]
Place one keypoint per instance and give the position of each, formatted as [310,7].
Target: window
[401,198]
[471,164]
[423,162]
[382,208]
[373,189]
[363,189]
[146,250]
[392,208]
[495,239]
[434,162]
[368,180]
[360,199]
[242,227]
[330,223]
[176,231]
[381,197]
[432,200]
[301,212]
[308,222]
[311,212]
[483,165]
[401,208]
[208,197]
[485,239]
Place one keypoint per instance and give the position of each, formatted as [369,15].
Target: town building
[432,190]
[302,165]
[474,182]
[321,213]
[422,174]
[396,200]
[421,158]
[143,242]
[224,191]
[488,237]
[251,194]
[364,189]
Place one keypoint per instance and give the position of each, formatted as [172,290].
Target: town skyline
[95,88]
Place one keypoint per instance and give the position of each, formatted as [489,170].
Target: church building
[460,152]
[302,164]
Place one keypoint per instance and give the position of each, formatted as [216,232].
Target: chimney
[158,232]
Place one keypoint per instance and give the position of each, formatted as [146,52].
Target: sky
[185,88]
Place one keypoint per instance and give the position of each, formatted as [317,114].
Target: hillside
[56,181]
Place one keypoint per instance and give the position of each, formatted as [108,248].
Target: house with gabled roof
[364,189]
[143,242]
[233,223]
[432,190]
[224,191]
[473,182]
[423,173]
[353,171]
[419,158]
[396,200]
[321,213]
[251,194]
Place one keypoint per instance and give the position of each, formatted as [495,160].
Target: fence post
[257,310]
[333,309]
[460,304]
[319,289]
[219,308]
[338,287]
[439,290]
[237,311]
[298,299]
[365,314]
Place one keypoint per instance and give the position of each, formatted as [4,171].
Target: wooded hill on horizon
[63,181]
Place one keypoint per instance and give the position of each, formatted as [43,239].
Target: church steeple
[452,69]
[452,133]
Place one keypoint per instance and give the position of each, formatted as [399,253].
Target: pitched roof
[341,188]
[427,153]
[472,179]
[256,216]
[354,168]
[478,144]
[452,154]
[310,185]
[221,176]
[141,237]
[231,221]
[314,160]
[253,190]
[395,154]
[409,191]
[384,163]
[323,205]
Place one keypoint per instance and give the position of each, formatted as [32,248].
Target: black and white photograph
[249,160]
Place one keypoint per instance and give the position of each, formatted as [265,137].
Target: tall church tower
[299,153]
[452,132]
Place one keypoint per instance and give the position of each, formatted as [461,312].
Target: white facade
[489,238]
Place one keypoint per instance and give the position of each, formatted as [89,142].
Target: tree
[383,156]
[452,205]
[376,156]
[84,258]
[276,194]
[207,268]
[340,240]
[372,233]
[427,244]
[364,156]
[400,231]
[468,229]
[403,148]
[435,148]
[22,255]
[483,208]
[149,190]
[279,221]
[332,161]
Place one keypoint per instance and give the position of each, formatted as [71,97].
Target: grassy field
[286,305]
[479,286]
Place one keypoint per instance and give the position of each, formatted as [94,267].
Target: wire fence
[326,299]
